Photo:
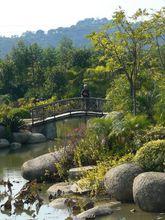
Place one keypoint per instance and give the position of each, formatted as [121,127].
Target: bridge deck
[63,109]
[65,116]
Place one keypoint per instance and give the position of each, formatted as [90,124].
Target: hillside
[75,32]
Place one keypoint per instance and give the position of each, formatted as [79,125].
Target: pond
[10,168]
[10,164]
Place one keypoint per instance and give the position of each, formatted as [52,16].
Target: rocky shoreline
[17,139]
[124,183]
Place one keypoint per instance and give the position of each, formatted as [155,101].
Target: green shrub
[5,99]
[126,133]
[19,112]
[136,122]
[119,94]
[152,156]
[12,118]
[93,145]
[99,126]
[111,136]
[159,107]
[89,150]
[13,122]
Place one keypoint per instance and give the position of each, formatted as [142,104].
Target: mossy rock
[152,156]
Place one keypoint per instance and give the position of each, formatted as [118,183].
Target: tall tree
[157,30]
[65,50]
[127,50]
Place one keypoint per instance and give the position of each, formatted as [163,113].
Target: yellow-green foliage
[119,94]
[109,136]
[159,108]
[155,133]
[21,113]
[89,150]
[30,103]
[100,126]
[126,132]
[152,156]
[94,179]
[12,118]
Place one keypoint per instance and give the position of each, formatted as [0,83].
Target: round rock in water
[119,181]
[4,143]
[15,146]
[149,191]
[21,137]
[43,168]
[59,188]
[35,138]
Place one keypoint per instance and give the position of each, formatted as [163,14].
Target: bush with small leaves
[12,118]
[155,133]
[152,156]
[19,112]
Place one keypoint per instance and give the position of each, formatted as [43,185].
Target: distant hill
[76,32]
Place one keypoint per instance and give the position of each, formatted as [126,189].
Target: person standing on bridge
[85,96]
[85,92]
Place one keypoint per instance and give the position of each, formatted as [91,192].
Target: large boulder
[35,138]
[59,189]
[78,172]
[43,168]
[72,203]
[119,181]
[21,137]
[149,191]
[4,143]
[59,203]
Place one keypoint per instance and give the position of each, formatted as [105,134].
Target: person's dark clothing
[85,93]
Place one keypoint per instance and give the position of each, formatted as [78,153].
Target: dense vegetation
[129,62]
[30,71]
[52,38]
[126,65]
[118,139]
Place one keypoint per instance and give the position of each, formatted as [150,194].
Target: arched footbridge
[73,107]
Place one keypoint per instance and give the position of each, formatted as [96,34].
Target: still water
[11,162]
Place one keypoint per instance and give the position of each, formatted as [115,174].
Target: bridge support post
[47,129]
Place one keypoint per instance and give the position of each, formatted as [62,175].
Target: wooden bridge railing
[44,112]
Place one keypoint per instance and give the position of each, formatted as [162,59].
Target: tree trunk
[133,97]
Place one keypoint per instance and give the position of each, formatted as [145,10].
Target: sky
[18,16]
